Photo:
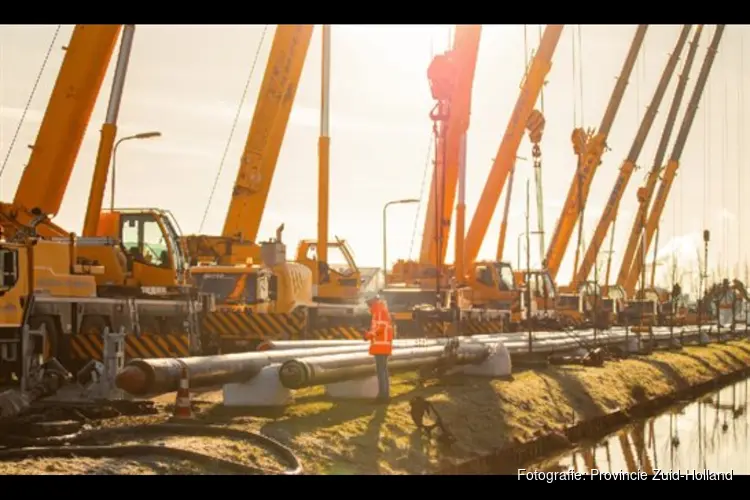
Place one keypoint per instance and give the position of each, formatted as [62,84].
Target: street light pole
[385,232]
[144,135]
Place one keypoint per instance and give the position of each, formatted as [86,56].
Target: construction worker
[381,343]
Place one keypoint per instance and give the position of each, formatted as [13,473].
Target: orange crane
[493,283]
[226,266]
[648,229]
[645,193]
[45,179]
[626,170]
[70,290]
[589,149]
[491,287]
[451,79]
[418,284]
[531,87]
[647,306]
[237,243]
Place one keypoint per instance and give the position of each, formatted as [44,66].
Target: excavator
[67,291]
[487,288]
[646,223]
[611,304]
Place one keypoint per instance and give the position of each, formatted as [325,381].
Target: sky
[186,82]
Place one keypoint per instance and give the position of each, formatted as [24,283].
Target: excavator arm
[626,170]
[674,162]
[589,148]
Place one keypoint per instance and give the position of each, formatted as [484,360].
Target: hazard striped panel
[410,329]
[475,327]
[86,346]
[90,346]
[249,325]
[337,333]
[157,346]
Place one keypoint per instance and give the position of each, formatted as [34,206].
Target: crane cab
[339,280]
[542,292]
[493,286]
[154,257]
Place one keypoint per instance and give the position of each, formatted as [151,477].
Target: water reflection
[709,434]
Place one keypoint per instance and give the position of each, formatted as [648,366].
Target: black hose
[57,446]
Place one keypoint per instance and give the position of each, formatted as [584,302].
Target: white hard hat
[370,297]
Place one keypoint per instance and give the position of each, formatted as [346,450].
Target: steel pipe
[142,377]
[326,369]
[278,345]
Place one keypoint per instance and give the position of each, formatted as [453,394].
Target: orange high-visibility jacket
[381,330]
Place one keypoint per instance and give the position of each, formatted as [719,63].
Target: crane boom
[589,151]
[452,78]
[45,178]
[531,87]
[267,130]
[108,135]
[626,170]
[674,161]
[647,191]
[506,215]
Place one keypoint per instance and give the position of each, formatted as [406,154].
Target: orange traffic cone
[182,408]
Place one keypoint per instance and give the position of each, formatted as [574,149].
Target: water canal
[710,434]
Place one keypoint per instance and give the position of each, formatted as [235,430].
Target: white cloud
[684,249]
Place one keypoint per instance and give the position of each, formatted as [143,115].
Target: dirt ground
[338,437]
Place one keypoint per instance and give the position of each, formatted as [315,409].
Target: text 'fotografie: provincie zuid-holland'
[639,475]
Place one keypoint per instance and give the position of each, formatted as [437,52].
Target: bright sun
[405,43]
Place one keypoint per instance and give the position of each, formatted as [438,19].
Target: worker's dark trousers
[384,383]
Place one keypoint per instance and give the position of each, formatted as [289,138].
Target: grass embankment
[343,437]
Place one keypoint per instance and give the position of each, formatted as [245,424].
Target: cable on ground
[67,446]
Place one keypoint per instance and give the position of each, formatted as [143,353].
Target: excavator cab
[151,244]
[339,280]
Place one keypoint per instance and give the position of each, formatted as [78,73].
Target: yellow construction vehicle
[493,283]
[237,243]
[71,290]
[282,292]
[451,77]
[46,176]
[479,296]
